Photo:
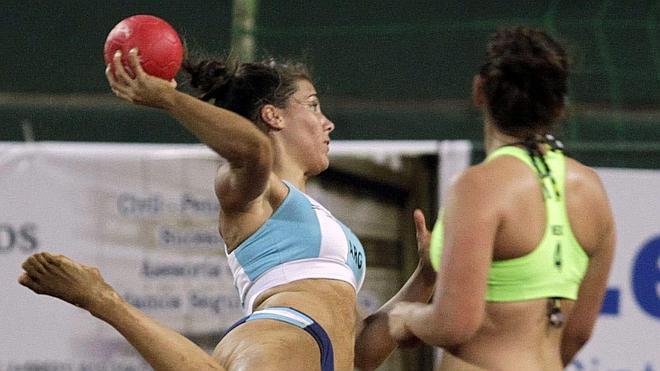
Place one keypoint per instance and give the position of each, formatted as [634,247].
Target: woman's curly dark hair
[525,80]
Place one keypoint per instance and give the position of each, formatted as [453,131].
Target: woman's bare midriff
[513,336]
[331,303]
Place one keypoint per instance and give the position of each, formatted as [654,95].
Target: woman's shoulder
[500,173]
[585,181]
[577,168]
[498,183]
[479,184]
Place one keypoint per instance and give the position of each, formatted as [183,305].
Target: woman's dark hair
[244,87]
[525,80]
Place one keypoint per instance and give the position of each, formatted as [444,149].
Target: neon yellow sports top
[556,267]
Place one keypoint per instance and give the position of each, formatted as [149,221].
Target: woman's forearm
[421,321]
[229,134]
[440,325]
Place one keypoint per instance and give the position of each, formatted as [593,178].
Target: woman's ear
[478,97]
[272,117]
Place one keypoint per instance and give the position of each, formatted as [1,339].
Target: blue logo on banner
[611,302]
[646,276]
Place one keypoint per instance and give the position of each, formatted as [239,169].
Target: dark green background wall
[385,69]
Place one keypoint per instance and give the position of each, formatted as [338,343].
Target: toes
[56,260]
[30,283]
[49,258]
[23,279]
[33,266]
[44,262]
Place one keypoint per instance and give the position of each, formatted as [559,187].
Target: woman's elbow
[458,335]
[458,329]
[263,148]
[261,154]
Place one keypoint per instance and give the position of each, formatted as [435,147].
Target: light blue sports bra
[301,240]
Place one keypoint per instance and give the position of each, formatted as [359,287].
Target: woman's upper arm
[471,220]
[592,289]
[247,150]
[237,184]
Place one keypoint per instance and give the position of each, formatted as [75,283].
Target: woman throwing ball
[297,268]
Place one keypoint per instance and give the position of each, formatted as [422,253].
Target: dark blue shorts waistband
[301,320]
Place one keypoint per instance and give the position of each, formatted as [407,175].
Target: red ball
[159,46]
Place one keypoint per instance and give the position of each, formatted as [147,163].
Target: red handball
[158,43]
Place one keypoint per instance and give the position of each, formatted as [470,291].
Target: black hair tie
[531,144]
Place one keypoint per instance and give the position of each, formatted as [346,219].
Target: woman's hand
[397,325]
[423,243]
[141,89]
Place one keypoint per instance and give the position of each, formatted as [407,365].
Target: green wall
[385,69]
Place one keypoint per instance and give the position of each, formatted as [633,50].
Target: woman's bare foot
[65,279]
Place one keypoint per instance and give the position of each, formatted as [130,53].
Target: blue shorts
[300,320]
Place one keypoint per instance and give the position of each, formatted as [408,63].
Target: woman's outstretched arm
[247,150]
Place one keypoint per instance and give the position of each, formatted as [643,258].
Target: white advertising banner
[145,215]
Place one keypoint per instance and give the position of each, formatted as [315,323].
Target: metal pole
[243,44]
[28,130]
